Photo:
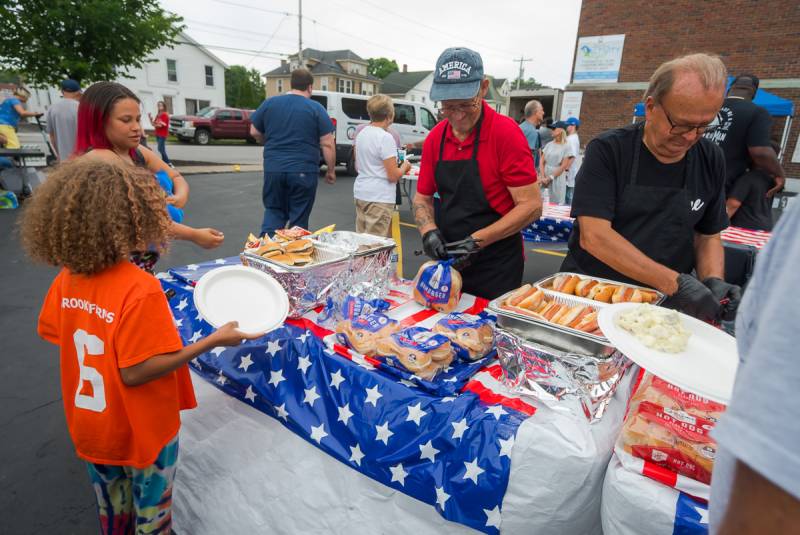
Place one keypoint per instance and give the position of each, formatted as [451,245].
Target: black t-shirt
[606,171]
[756,211]
[742,125]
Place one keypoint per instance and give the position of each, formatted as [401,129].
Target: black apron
[659,221]
[497,268]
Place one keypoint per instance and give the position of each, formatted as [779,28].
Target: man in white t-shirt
[375,188]
[575,144]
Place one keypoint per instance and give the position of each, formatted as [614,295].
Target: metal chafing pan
[551,334]
[546,285]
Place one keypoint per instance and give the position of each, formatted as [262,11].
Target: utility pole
[521,60]
[300,31]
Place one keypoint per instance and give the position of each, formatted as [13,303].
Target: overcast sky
[412,32]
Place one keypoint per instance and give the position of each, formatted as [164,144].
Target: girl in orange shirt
[124,376]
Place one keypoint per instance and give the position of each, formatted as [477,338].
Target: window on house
[172,70]
[209,75]
[194,106]
[280,86]
[355,108]
[344,86]
[427,118]
[404,114]
[324,83]
[168,103]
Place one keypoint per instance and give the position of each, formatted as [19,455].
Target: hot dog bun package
[417,350]
[472,336]
[670,429]
[363,332]
[438,286]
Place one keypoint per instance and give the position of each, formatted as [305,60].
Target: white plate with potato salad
[683,350]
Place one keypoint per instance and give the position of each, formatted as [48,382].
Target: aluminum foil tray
[579,383]
[546,285]
[350,241]
[322,256]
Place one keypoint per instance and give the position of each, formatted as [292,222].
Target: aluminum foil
[306,288]
[580,383]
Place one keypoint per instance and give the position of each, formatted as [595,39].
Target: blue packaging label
[372,322]
[353,307]
[420,339]
[457,321]
[435,283]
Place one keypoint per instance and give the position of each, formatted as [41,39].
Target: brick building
[750,35]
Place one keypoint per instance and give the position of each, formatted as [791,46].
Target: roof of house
[498,82]
[493,93]
[400,83]
[191,42]
[327,63]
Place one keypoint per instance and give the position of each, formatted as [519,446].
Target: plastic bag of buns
[438,286]
[417,350]
[472,336]
[363,332]
[671,428]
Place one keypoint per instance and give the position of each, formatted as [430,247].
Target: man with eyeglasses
[479,163]
[649,198]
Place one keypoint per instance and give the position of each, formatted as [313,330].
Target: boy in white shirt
[376,161]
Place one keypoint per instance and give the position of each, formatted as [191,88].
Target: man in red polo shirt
[480,164]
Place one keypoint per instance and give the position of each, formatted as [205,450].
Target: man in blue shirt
[534,115]
[293,129]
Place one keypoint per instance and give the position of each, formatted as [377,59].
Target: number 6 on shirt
[89,344]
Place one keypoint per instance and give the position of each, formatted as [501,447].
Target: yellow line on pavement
[545,251]
[407,224]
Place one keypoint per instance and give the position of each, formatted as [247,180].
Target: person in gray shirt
[534,115]
[755,487]
[545,133]
[62,120]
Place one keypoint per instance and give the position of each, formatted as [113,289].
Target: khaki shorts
[374,218]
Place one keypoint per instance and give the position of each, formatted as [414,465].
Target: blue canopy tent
[775,105]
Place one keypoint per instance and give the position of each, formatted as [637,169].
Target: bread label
[372,322]
[458,321]
[686,399]
[420,339]
[353,307]
[435,283]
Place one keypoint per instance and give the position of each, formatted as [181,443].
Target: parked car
[212,123]
[413,120]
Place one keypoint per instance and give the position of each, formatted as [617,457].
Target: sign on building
[597,59]
[571,104]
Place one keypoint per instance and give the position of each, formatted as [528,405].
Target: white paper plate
[707,367]
[243,294]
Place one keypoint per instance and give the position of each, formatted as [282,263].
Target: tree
[381,67]
[529,84]
[90,40]
[243,88]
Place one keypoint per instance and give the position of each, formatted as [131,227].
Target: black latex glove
[728,294]
[433,243]
[695,299]
[466,246]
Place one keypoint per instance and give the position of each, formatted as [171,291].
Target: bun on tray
[472,336]
[418,350]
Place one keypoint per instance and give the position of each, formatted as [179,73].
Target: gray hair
[708,67]
[532,107]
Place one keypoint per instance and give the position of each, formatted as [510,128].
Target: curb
[210,169]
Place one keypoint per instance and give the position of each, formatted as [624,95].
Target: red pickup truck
[212,123]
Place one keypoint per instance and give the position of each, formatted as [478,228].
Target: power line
[261,53]
[288,13]
[521,60]
[269,40]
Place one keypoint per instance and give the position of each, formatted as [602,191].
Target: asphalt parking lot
[45,486]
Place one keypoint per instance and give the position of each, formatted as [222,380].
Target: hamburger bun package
[363,332]
[471,336]
[438,286]
[417,350]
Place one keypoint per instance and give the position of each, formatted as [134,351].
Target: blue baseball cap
[458,74]
[71,86]
[573,121]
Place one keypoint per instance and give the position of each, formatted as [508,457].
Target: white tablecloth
[241,471]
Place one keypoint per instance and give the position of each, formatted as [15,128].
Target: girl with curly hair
[124,377]
[109,129]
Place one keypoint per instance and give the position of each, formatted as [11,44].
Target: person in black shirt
[649,201]
[743,135]
[748,205]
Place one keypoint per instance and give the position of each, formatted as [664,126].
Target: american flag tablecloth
[743,236]
[452,452]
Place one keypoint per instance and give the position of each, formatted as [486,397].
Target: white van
[413,120]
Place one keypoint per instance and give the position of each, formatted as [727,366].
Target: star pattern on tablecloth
[273,347]
[383,433]
[318,433]
[427,451]
[472,470]
[310,395]
[345,413]
[459,427]
[217,351]
[245,362]
[303,364]
[496,410]
[493,518]
[373,395]
[250,395]
[336,379]
[182,304]
[356,454]
[398,474]
[506,445]
[415,413]
[275,377]
[441,497]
